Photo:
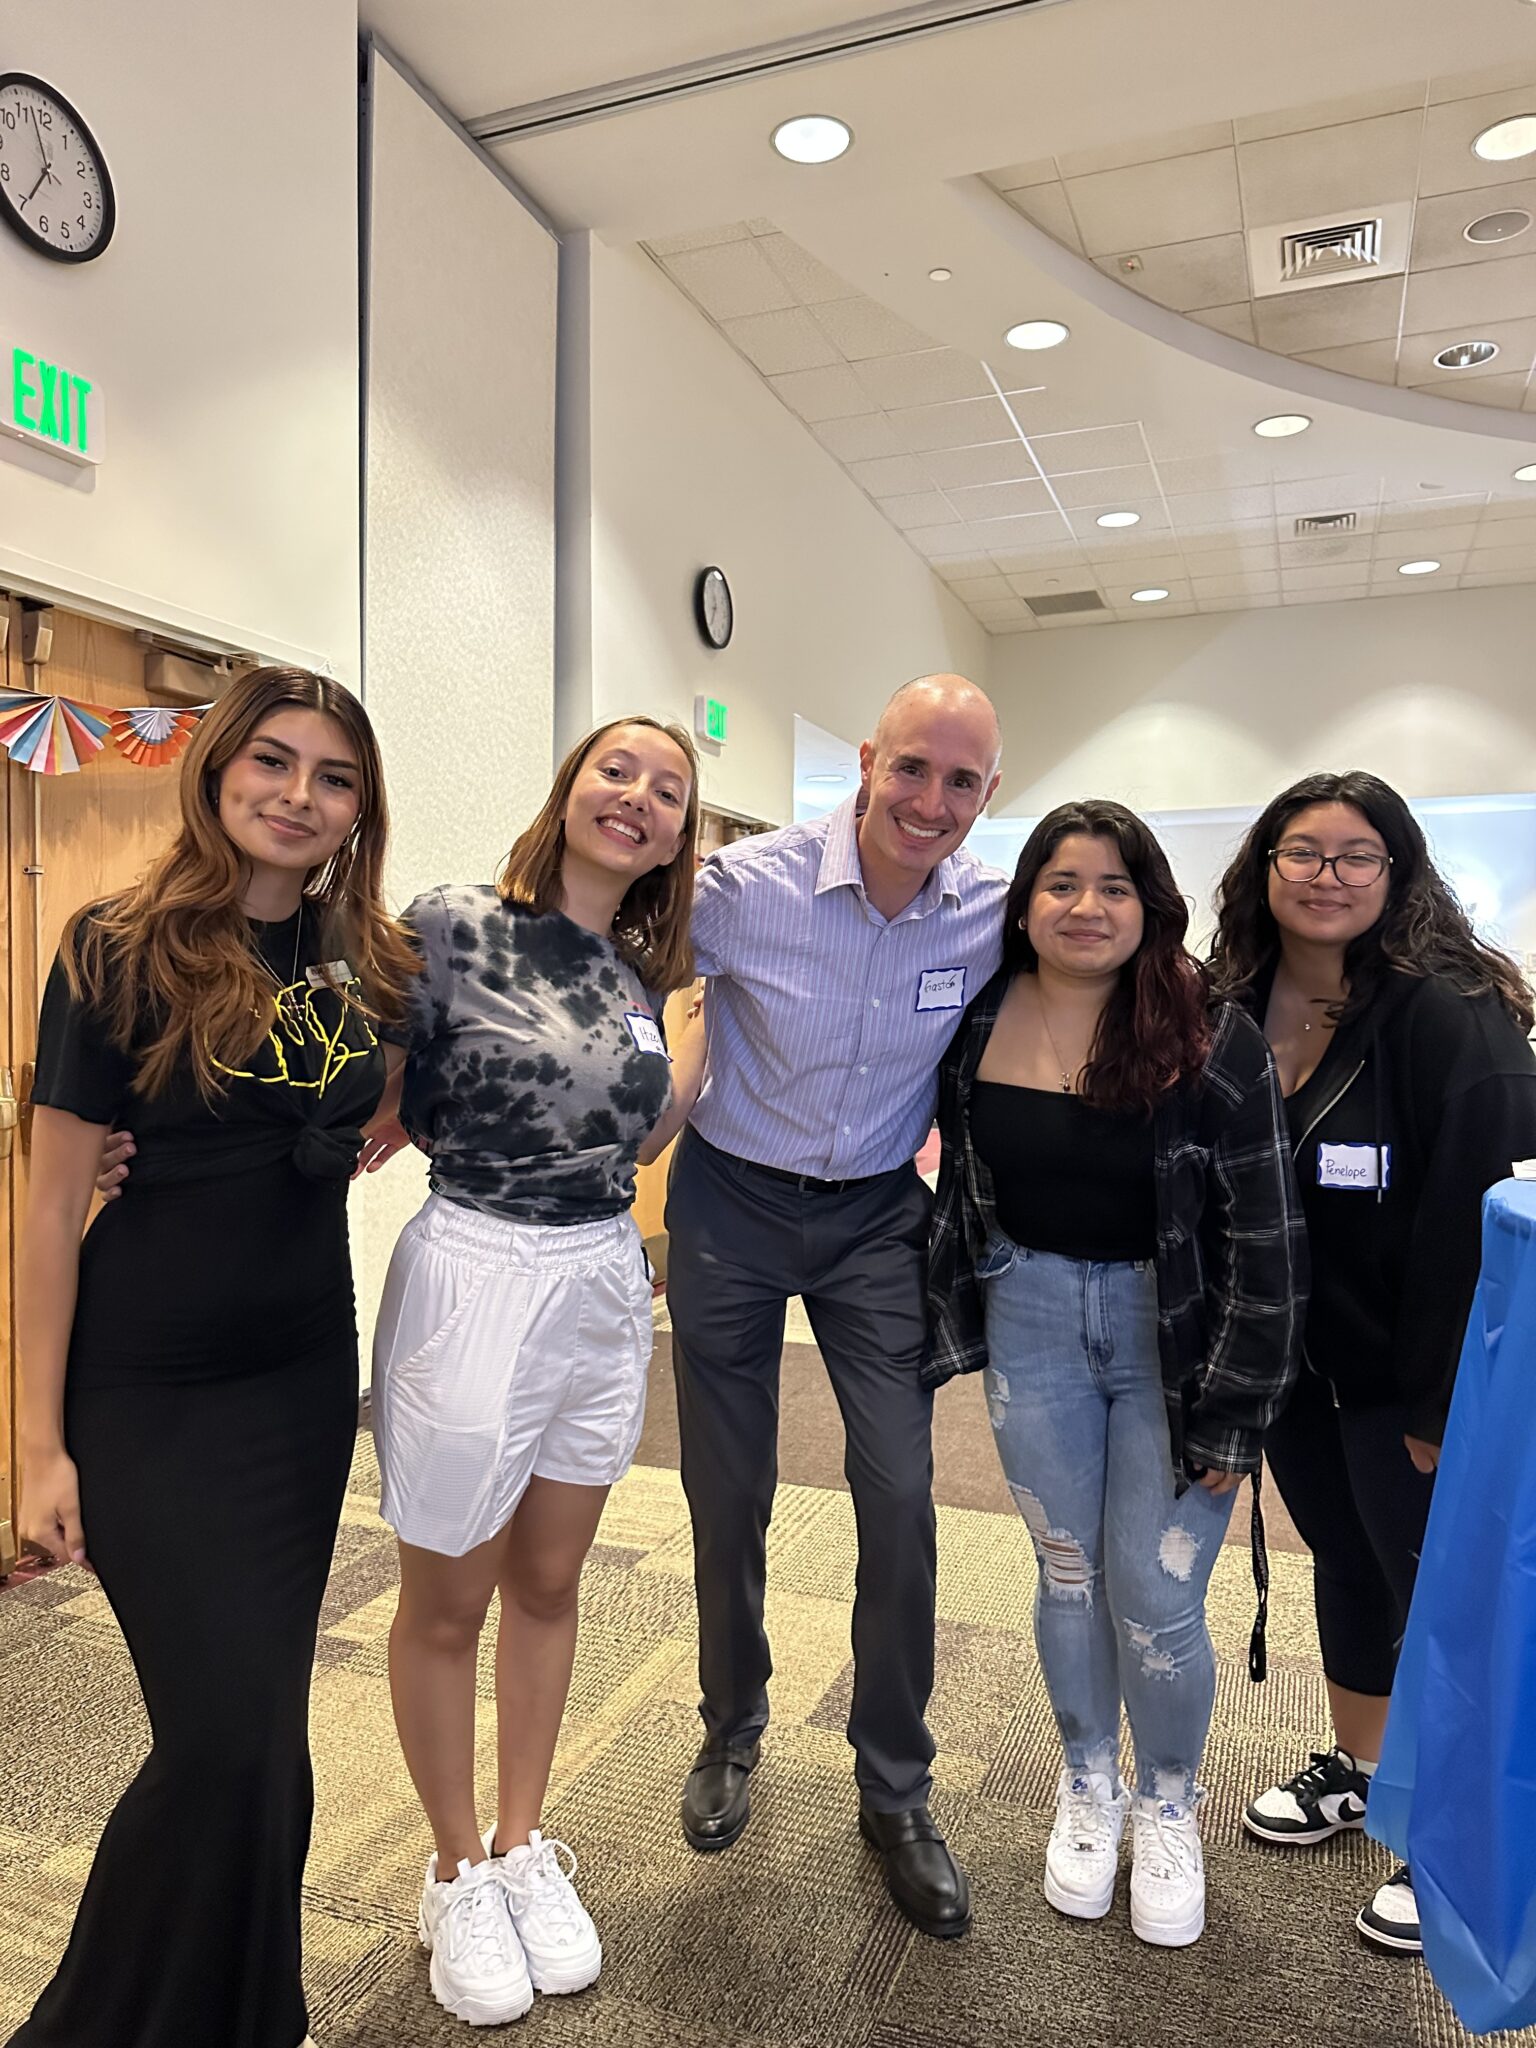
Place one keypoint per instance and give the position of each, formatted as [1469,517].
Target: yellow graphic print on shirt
[308,1020]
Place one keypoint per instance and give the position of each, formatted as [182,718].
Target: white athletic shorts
[503,1351]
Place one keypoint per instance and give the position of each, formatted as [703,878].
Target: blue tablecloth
[1455,1794]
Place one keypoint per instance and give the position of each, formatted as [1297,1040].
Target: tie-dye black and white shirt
[536,1067]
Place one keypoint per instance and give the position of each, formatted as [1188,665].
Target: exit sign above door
[51,405]
[709,719]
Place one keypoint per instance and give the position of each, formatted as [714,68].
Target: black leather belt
[808,1184]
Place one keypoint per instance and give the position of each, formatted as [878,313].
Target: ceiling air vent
[1313,524]
[1351,245]
[1330,249]
[1065,601]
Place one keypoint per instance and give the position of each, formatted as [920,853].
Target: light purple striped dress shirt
[826,1022]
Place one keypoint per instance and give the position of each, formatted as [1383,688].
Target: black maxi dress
[211,1406]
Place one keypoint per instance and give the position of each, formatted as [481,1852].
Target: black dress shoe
[716,1801]
[920,1874]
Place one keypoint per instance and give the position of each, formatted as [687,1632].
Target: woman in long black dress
[189,1386]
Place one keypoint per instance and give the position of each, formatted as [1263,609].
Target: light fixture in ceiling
[812,138]
[940,276]
[1497,227]
[1526,473]
[1034,334]
[1118,519]
[1154,594]
[1417,568]
[1507,139]
[1280,424]
[840,775]
[1466,355]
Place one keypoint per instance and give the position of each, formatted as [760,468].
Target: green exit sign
[709,719]
[52,406]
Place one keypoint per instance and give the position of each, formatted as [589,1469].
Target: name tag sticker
[941,988]
[1354,1166]
[646,1033]
[332,974]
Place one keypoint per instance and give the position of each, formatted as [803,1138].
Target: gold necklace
[1066,1078]
[286,1001]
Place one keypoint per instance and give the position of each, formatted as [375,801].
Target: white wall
[220,325]
[675,456]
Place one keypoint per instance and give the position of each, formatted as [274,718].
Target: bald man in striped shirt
[840,955]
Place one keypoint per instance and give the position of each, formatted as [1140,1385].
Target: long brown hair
[651,926]
[1423,929]
[177,945]
[1154,1030]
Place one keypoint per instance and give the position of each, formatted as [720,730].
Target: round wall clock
[713,607]
[55,191]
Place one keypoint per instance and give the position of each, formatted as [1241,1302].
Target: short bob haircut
[1154,1031]
[1422,930]
[651,926]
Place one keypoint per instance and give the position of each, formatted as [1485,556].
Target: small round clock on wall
[713,607]
[55,191]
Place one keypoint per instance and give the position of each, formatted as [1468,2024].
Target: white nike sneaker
[1324,1799]
[1083,1852]
[478,1970]
[1167,1874]
[554,1927]
[1391,1919]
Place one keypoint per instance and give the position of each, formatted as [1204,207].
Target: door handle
[10,1112]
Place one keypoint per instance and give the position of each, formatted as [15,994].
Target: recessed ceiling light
[1506,140]
[1279,424]
[1526,473]
[1154,595]
[812,138]
[1497,227]
[1118,519]
[1467,355]
[1037,334]
[940,276]
[839,776]
[1417,568]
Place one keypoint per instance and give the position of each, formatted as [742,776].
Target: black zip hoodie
[1418,1106]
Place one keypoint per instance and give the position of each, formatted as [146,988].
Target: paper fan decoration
[149,735]
[50,735]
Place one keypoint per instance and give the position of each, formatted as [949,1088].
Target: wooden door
[67,840]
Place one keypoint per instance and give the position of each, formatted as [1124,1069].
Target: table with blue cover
[1455,1793]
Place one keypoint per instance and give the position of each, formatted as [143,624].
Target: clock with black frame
[55,190]
[714,609]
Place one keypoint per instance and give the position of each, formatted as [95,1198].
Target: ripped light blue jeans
[1075,1392]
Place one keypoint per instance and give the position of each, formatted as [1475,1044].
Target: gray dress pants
[741,1241]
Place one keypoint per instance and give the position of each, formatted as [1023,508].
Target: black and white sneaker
[1391,1920]
[1324,1799]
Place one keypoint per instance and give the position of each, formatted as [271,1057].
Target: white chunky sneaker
[1084,1849]
[1324,1799]
[1167,1874]
[478,1970]
[1391,1920]
[554,1927]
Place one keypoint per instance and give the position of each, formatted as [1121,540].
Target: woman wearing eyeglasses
[1400,1041]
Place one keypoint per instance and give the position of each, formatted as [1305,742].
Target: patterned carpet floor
[788,1939]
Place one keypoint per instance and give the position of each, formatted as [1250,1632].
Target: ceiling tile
[1178,200]
[1116,156]
[863,328]
[939,541]
[1350,593]
[1048,582]
[1138,570]
[1507,533]
[1439,511]
[1048,208]
[1255,583]
[1118,593]
[1414,543]
[1105,543]
[1052,557]
[761,225]
[1201,511]
[1466,85]
[776,342]
[1326,494]
[1185,275]
[1374,359]
[1505,561]
[1497,391]
[969,588]
[1327,170]
[1242,533]
[1025,531]
[1068,622]
[1089,448]
[700,238]
[1030,625]
[1385,575]
[1007,611]
[1325,548]
[1515,340]
[1448,165]
[964,568]
[1392,99]
[1504,512]
[1214,472]
[731,281]
[1439,241]
[919,509]
[822,394]
[1234,320]
[1470,295]
[921,427]
[1059,409]
[891,476]
[1000,462]
[811,282]
[1137,614]
[1256,602]
[1003,501]
[1249,561]
[1483,579]
[860,439]
[1041,172]
[930,376]
[1107,488]
[1331,316]
[1323,576]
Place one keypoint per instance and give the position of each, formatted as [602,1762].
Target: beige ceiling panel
[1256,602]
[1150,149]
[921,508]
[891,476]
[861,439]
[1048,582]
[1186,275]
[1028,530]
[1467,85]
[1042,171]
[964,568]
[1137,613]
[776,342]
[973,420]
[1363,106]
[1259,560]
[731,281]
[1138,572]
[1053,410]
[1485,579]
[761,225]
[1439,224]
[1351,593]
[1374,359]
[1506,512]
[1412,543]
[1503,561]
[1242,533]
[1329,170]
[1331,317]
[1011,611]
[1324,576]
[1048,208]
[939,541]
[1507,392]
[1506,533]
[1471,295]
[1000,462]
[1003,501]
[700,238]
[1327,494]
[1089,448]
[1514,339]
[971,588]
[1063,558]
[811,282]
[1179,200]
[1030,625]
[863,328]
[822,394]
[930,376]
[1069,622]
[1180,473]
[1417,508]
[1234,320]
[1106,488]
[1258,582]
[1202,511]
[1448,164]
[1314,554]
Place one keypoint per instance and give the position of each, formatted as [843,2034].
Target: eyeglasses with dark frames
[1305,864]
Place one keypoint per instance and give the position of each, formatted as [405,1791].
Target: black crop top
[1067,1177]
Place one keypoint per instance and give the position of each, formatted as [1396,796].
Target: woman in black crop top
[1117,1241]
[189,1387]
